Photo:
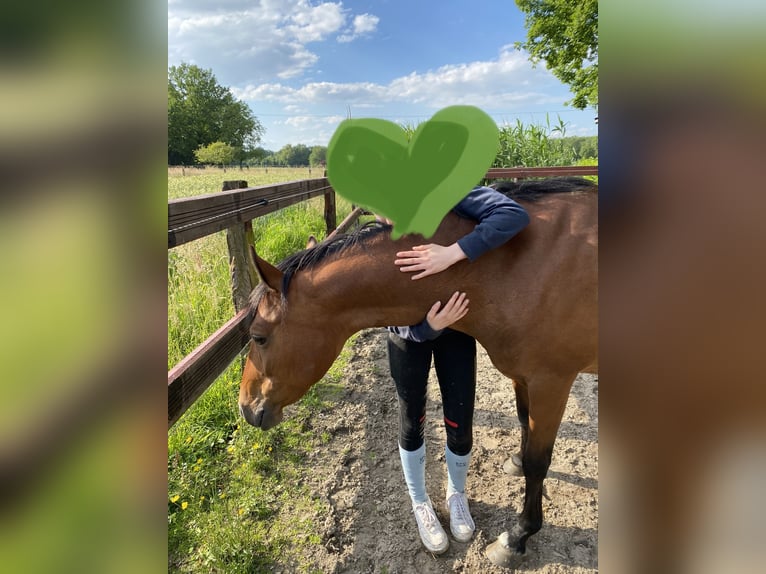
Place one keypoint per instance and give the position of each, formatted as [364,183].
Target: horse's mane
[530,190]
[311,257]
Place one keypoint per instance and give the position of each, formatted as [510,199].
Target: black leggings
[454,355]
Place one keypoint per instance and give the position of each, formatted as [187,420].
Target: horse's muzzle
[261,416]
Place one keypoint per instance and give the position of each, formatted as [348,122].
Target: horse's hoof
[513,466]
[501,555]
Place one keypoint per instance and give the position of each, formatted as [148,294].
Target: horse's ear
[267,273]
[312,242]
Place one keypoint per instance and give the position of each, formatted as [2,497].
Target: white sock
[457,471]
[414,467]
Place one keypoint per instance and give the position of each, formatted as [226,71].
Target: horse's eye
[258,340]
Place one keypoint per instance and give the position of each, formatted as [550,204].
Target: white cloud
[308,130]
[314,23]
[314,92]
[311,122]
[504,82]
[246,40]
[363,24]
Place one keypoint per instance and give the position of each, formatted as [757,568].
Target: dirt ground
[371,527]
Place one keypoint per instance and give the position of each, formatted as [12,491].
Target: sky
[305,65]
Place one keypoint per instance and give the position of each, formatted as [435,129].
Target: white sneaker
[431,532]
[460,522]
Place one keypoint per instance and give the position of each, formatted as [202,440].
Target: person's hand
[453,311]
[428,259]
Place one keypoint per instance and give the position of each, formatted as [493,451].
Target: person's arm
[437,319]
[499,218]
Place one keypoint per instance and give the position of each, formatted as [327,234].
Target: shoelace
[458,509]
[427,516]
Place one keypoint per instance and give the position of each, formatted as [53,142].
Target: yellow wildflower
[184,504]
[175,498]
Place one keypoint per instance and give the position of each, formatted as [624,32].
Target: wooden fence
[233,210]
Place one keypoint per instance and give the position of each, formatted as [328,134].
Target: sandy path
[371,528]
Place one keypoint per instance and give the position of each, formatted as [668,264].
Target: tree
[318,156]
[293,155]
[217,153]
[201,112]
[564,34]
[255,156]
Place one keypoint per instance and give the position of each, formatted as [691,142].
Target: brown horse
[533,308]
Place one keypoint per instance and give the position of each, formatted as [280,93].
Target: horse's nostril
[254,418]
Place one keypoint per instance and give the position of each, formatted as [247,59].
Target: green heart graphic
[414,184]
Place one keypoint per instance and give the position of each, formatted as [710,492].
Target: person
[411,349]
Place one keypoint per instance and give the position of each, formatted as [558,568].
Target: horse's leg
[513,465]
[547,400]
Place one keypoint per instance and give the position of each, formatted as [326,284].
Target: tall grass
[528,145]
[534,146]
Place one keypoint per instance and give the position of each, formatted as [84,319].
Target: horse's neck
[364,288]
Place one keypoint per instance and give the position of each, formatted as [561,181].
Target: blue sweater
[499,218]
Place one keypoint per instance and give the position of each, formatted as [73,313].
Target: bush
[217,153]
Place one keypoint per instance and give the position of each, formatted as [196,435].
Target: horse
[533,308]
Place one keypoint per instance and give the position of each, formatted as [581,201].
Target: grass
[235,498]
[191,181]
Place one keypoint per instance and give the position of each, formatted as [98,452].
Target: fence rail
[196,217]
[527,172]
[197,370]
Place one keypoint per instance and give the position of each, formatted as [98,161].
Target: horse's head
[289,351]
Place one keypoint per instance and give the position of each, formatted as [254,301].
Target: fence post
[329,211]
[236,239]
[330,216]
